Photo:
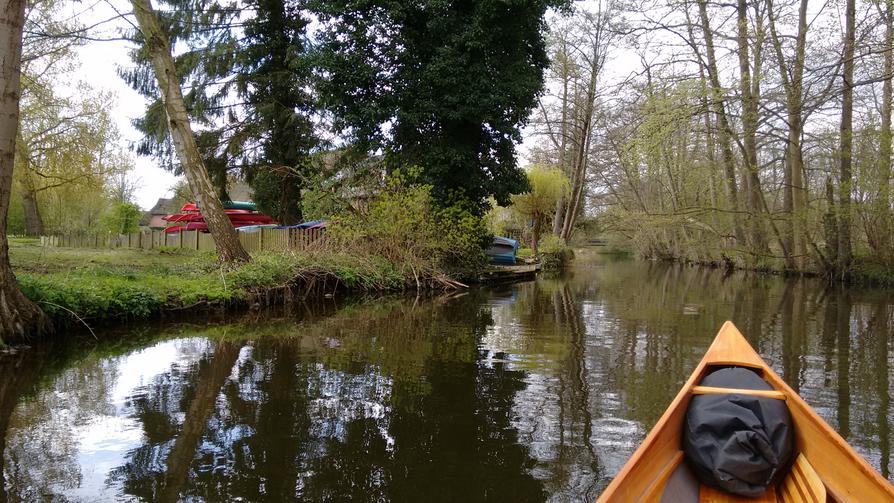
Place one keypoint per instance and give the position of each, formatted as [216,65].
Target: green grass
[105,284]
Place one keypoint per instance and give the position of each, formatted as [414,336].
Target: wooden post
[261,240]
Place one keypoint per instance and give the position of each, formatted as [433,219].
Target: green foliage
[453,84]
[554,253]
[500,219]
[548,184]
[15,218]
[261,58]
[407,227]
[123,218]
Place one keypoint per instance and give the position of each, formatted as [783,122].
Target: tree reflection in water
[529,392]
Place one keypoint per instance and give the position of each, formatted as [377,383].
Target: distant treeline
[756,133]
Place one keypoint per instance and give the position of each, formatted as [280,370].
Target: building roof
[164,206]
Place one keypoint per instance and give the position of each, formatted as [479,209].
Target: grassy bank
[113,284]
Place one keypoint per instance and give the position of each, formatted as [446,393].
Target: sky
[99,62]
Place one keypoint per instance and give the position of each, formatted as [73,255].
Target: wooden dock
[500,273]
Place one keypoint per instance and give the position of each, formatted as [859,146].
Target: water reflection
[531,392]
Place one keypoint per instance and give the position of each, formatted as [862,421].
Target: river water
[528,392]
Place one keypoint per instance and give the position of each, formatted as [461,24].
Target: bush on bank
[554,253]
[430,244]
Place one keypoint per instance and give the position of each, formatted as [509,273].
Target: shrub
[123,218]
[405,226]
[554,253]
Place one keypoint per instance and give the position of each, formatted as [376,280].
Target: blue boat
[313,224]
[502,251]
[256,228]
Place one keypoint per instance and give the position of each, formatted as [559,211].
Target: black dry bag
[741,444]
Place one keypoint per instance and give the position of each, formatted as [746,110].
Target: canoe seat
[710,390]
[708,494]
[802,484]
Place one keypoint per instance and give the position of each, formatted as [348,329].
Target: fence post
[261,239]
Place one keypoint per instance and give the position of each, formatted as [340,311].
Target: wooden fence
[260,240]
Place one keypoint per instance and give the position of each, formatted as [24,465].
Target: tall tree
[749,89]
[792,74]
[63,141]
[248,75]
[882,242]
[19,317]
[845,152]
[445,86]
[158,50]
[272,75]
[726,133]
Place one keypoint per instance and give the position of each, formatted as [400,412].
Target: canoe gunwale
[642,477]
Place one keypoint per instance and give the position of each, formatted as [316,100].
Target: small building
[154,217]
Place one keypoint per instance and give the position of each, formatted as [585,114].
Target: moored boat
[823,468]
[502,251]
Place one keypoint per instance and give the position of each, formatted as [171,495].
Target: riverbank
[864,271]
[88,285]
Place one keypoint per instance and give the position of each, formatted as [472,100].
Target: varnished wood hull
[846,476]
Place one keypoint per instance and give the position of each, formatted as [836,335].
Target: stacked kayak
[240,213]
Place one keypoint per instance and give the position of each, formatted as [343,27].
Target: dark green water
[529,392]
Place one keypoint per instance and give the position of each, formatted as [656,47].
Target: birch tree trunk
[19,317]
[229,249]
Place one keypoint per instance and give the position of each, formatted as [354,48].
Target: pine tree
[254,52]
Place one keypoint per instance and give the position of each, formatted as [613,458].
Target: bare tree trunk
[535,233]
[229,249]
[33,221]
[749,132]
[725,133]
[19,317]
[830,225]
[710,143]
[845,174]
[559,217]
[794,200]
[581,160]
[883,204]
